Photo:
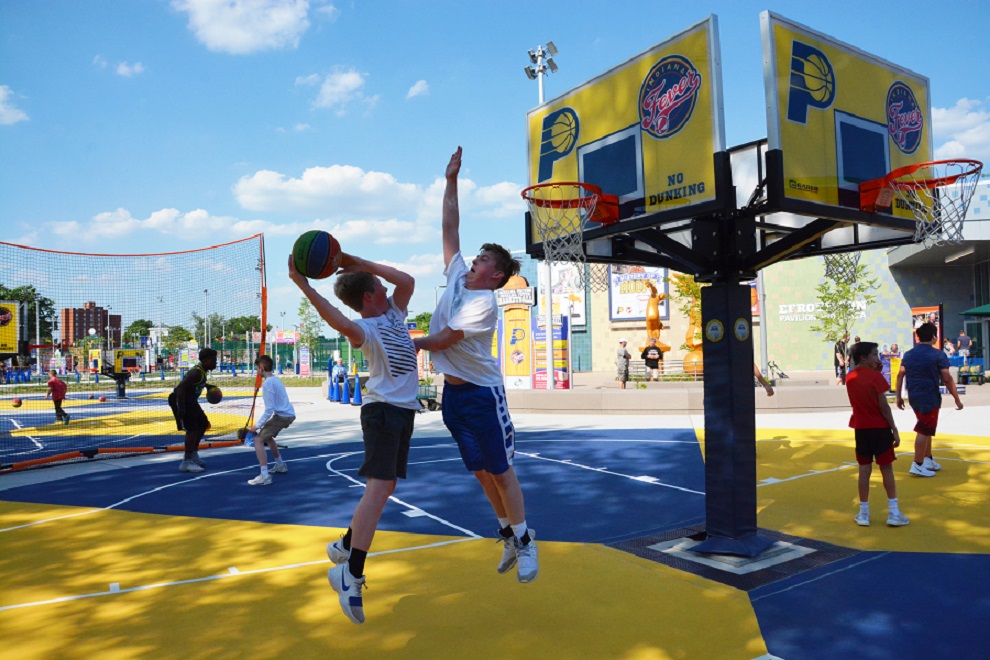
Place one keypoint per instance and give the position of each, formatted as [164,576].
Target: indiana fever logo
[905,121]
[668,96]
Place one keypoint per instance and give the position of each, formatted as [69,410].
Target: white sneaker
[278,468]
[189,466]
[261,480]
[931,464]
[863,519]
[897,520]
[510,546]
[529,567]
[920,470]
[348,590]
[197,460]
[337,553]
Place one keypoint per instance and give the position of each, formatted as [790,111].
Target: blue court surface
[100,551]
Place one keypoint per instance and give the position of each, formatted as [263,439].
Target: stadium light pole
[541,61]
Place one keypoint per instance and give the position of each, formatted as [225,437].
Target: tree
[310,325]
[839,303]
[422,321]
[239,326]
[687,294]
[138,329]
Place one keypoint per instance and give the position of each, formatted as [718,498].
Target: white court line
[602,470]
[821,577]
[232,573]
[419,512]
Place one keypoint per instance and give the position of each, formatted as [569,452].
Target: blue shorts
[478,418]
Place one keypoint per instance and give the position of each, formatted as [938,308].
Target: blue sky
[132,126]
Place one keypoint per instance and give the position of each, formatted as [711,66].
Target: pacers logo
[560,134]
[668,96]
[905,120]
[812,82]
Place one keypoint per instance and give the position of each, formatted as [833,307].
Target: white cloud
[329,12]
[300,127]
[9,113]
[963,130]
[421,88]
[127,70]
[311,79]
[240,27]
[100,62]
[341,88]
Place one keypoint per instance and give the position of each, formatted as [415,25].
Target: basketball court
[130,557]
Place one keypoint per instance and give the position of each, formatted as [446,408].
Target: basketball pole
[542,61]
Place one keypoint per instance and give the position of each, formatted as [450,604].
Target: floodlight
[532,57]
[530,72]
[552,65]
[551,48]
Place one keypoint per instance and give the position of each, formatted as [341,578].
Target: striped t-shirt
[393,371]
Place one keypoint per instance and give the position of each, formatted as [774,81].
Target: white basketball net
[561,212]
[939,194]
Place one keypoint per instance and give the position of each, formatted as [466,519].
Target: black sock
[506,532]
[356,563]
[347,539]
[525,538]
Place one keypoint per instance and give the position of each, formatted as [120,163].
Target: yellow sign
[9,323]
[645,131]
[838,115]
[518,344]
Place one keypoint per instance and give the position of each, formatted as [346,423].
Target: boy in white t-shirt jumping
[474,405]
[389,406]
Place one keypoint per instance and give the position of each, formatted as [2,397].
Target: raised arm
[333,316]
[451,210]
[404,283]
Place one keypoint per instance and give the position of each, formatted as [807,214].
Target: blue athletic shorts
[478,418]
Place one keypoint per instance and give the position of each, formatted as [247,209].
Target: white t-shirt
[276,400]
[474,313]
[393,371]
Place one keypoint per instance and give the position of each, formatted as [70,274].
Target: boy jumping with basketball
[389,406]
[876,432]
[925,367]
[474,405]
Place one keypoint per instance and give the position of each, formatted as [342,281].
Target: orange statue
[653,323]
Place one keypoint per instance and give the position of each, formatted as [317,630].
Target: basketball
[214,395]
[103,399]
[316,254]
[242,433]
[17,403]
[92,396]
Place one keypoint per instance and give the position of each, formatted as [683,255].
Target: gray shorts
[273,427]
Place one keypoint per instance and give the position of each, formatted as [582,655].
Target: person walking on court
[475,410]
[652,357]
[56,390]
[189,417]
[279,414]
[389,407]
[876,432]
[622,358]
[925,368]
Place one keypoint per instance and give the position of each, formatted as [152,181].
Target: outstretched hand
[454,166]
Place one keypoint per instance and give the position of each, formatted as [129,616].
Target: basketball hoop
[938,193]
[842,267]
[561,212]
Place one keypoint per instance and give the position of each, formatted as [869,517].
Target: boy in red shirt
[56,390]
[876,433]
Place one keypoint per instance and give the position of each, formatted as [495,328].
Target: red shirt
[864,385]
[58,389]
